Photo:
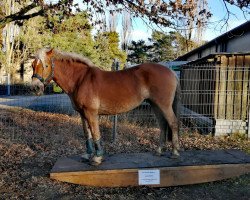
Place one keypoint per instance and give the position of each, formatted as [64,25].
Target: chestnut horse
[96,92]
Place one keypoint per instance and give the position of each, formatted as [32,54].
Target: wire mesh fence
[213,100]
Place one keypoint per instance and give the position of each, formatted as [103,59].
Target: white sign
[149,177]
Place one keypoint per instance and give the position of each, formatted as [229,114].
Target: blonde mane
[73,57]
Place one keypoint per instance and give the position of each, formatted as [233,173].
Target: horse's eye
[46,66]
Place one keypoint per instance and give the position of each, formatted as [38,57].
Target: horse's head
[43,71]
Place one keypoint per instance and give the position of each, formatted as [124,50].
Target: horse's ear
[49,53]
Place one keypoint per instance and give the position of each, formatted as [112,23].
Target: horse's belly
[123,100]
[117,107]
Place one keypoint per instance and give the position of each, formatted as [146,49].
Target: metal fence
[213,100]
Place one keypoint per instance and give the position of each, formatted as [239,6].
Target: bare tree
[13,54]
[9,33]
[126,30]
[160,12]
[193,23]
[112,21]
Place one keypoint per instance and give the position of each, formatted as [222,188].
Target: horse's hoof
[159,152]
[86,157]
[175,154]
[96,160]
[181,149]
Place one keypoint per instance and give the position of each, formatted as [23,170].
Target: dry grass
[31,142]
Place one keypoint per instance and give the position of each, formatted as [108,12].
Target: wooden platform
[122,170]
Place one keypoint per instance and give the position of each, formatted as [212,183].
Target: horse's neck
[67,76]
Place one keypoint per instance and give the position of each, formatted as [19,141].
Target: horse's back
[160,81]
[146,75]
[156,75]
[156,68]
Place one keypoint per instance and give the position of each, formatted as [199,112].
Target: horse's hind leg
[163,127]
[168,113]
[174,125]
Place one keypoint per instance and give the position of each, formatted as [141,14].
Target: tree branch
[152,16]
[21,15]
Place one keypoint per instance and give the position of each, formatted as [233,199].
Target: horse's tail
[176,109]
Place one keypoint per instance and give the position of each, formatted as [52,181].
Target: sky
[219,11]
[214,29]
[141,30]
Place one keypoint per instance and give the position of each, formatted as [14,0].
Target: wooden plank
[216,94]
[245,89]
[222,88]
[230,88]
[212,90]
[169,176]
[121,170]
[238,88]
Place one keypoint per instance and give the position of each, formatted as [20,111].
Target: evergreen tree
[162,47]
[112,40]
[71,35]
[139,52]
[181,45]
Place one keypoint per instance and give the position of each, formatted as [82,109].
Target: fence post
[248,130]
[8,84]
[114,131]
[115,67]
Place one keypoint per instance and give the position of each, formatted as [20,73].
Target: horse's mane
[73,57]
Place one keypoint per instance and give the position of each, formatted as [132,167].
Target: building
[215,83]
[235,40]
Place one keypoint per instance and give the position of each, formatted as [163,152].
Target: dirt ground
[31,142]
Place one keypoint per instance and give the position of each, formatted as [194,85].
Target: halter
[51,76]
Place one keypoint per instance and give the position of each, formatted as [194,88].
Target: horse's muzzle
[37,87]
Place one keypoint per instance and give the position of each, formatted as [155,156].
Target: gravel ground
[31,142]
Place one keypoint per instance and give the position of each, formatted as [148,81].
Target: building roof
[173,64]
[210,58]
[239,30]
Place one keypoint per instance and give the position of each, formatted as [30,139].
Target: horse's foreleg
[92,119]
[89,140]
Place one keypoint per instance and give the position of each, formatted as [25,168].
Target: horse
[95,92]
